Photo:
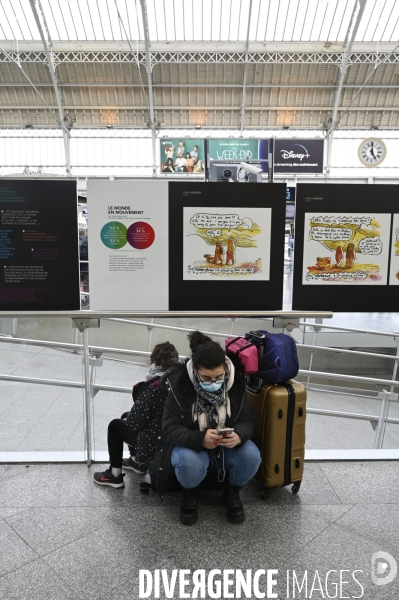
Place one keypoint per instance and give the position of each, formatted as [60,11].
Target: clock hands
[372,149]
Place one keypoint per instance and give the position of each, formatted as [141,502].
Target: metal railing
[93,355]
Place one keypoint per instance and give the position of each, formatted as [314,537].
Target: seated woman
[142,426]
[207,394]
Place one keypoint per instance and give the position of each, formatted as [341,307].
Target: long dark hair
[164,356]
[205,352]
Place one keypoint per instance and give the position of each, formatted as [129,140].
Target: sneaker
[231,498]
[130,464]
[189,507]
[106,478]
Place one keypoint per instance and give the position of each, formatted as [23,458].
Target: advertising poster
[226,244]
[346,248]
[39,245]
[239,150]
[298,156]
[128,245]
[394,270]
[182,156]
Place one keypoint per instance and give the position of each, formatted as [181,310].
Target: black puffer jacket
[179,428]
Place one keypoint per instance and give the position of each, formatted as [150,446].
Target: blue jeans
[240,464]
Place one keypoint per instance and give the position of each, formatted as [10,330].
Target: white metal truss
[43,30]
[334,58]
[242,115]
[357,15]
[150,88]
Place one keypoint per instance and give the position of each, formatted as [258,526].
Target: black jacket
[179,428]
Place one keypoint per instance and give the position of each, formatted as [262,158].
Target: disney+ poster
[179,156]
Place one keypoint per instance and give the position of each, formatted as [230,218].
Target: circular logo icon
[140,235]
[113,235]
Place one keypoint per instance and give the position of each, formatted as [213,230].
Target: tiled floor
[64,538]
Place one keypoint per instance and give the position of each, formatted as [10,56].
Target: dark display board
[298,156]
[39,245]
[290,194]
[346,248]
[226,246]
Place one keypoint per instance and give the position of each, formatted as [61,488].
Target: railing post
[14,328]
[382,420]
[149,339]
[83,325]
[232,325]
[313,352]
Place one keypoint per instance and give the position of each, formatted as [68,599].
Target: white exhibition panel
[128,244]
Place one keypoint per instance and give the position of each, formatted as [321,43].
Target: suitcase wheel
[145,487]
[295,487]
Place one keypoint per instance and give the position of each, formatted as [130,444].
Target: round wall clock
[372,152]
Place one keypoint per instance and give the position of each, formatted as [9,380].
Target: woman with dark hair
[168,168]
[206,397]
[141,427]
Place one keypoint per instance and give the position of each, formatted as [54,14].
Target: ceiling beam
[21,84]
[242,115]
[152,123]
[357,14]
[46,41]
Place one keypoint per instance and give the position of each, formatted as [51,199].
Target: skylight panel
[290,20]
[216,19]
[309,19]
[365,21]
[50,20]
[243,21]
[12,20]
[188,20]
[327,20]
[65,8]
[28,29]
[378,21]
[391,19]
[271,21]
[170,20]
[61,32]
[197,14]
[207,20]
[131,8]
[96,20]
[179,22]
[84,26]
[234,20]
[152,21]
[105,19]
[281,19]
[5,24]
[346,20]
[395,33]
[300,20]
[262,20]
[254,20]
[159,7]
[318,21]
[114,21]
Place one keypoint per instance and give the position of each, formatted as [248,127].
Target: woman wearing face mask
[207,394]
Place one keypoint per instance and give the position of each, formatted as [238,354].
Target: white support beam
[242,115]
[46,40]
[357,15]
[152,123]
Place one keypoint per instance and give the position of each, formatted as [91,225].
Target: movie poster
[128,245]
[185,156]
[225,244]
[394,270]
[346,248]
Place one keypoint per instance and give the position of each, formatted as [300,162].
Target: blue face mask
[212,387]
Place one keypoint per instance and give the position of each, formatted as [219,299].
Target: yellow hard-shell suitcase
[280,416]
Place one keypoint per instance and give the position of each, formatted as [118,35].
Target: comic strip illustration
[226,244]
[394,270]
[346,248]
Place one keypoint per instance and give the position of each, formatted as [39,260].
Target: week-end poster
[128,245]
[346,248]
[394,270]
[226,244]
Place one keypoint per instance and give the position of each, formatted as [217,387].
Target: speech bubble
[334,234]
[370,246]
[214,233]
[341,220]
[204,220]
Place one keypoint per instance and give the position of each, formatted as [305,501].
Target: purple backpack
[278,358]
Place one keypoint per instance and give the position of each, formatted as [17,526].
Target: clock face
[372,152]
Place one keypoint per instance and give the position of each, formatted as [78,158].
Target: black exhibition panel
[346,200]
[39,245]
[236,294]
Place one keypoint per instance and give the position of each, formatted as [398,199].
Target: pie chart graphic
[140,235]
[113,235]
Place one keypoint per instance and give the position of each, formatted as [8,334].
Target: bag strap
[244,348]
[232,341]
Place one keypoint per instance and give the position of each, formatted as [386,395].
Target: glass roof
[201,20]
